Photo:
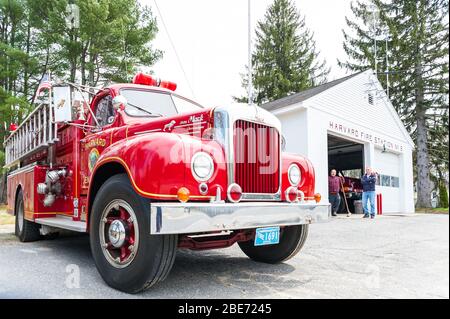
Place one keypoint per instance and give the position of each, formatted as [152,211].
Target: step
[63,222]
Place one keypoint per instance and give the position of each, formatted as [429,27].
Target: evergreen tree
[443,195]
[418,55]
[112,40]
[285,60]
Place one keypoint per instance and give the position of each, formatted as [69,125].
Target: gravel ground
[390,257]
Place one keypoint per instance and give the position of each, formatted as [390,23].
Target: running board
[63,222]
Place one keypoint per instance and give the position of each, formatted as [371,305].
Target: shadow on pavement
[192,270]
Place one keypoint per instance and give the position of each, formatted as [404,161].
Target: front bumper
[191,218]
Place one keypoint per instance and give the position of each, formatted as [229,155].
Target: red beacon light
[13,127]
[145,79]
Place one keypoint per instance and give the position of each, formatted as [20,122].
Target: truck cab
[146,171]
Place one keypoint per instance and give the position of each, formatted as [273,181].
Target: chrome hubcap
[119,233]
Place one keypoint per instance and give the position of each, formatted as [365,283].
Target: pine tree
[418,55]
[113,39]
[285,60]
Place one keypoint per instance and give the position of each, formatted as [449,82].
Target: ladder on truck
[36,133]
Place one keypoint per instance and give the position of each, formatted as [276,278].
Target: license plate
[267,236]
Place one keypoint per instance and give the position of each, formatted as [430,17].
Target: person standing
[369,181]
[334,187]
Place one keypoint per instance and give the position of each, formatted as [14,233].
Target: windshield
[148,103]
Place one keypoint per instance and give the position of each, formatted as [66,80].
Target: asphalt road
[390,257]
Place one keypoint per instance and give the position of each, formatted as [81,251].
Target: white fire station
[349,124]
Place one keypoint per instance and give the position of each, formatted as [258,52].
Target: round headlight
[294,175]
[202,166]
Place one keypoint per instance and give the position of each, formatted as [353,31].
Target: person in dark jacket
[368,182]
[334,187]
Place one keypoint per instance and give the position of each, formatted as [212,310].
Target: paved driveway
[390,257]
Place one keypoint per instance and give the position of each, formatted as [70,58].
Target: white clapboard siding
[349,100]
[341,108]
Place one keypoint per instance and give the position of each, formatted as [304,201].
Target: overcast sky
[210,37]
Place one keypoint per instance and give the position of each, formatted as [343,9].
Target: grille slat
[257,156]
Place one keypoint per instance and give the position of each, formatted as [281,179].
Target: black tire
[25,230]
[155,253]
[292,240]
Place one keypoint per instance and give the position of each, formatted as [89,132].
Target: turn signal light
[183,194]
[317,197]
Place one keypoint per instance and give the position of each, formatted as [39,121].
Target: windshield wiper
[145,111]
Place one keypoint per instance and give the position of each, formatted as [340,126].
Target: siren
[145,79]
[13,127]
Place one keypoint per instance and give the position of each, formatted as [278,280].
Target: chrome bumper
[191,218]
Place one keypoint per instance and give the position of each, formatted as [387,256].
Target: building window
[395,182]
[353,173]
[388,181]
[385,180]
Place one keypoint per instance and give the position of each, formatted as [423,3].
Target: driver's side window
[104,113]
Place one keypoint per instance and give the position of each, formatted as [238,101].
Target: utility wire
[174,48]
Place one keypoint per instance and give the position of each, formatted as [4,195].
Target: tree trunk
[3,188]
[424,186]
[423,161]
[26,65]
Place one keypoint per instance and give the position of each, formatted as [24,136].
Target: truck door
[93,145]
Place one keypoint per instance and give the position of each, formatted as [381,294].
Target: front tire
[292,240]
[127,257]
[25,230]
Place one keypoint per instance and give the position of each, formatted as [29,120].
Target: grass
[5,219]
[438,210]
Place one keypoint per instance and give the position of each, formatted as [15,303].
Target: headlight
[202,166]
[294,175]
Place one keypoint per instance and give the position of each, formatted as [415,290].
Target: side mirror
[119,102]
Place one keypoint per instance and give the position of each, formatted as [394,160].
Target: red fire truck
[145,171]
[352,191]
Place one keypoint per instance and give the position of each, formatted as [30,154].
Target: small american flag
[45,84]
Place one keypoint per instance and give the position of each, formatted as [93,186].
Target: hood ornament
[259,117]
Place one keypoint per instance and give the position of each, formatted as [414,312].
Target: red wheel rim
[119,233]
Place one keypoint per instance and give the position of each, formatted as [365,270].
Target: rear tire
[151,257]
[25,230]
[292,240]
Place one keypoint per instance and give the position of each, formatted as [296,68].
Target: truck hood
[192,123]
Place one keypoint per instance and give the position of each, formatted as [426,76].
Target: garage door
[388,167]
